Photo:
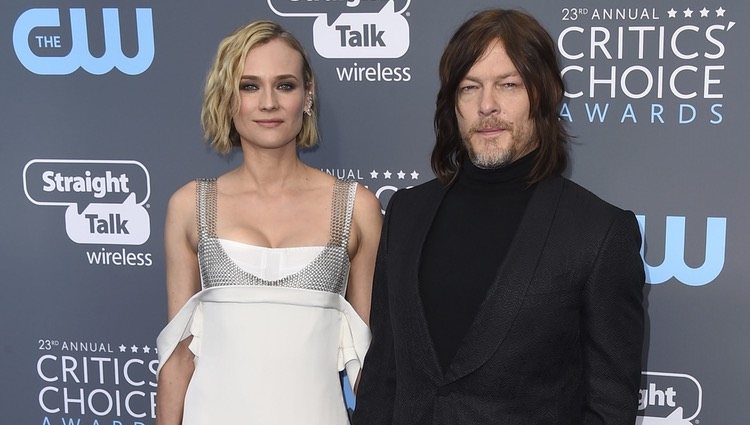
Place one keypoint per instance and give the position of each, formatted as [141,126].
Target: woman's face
[272,96]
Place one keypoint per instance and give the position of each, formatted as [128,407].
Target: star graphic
[146,349]
[704,13]
[373,174]
[720,12]
[387,174]
[672,13]
[401,174]
[122,348]
[688,13]
[414,175]
[133,348]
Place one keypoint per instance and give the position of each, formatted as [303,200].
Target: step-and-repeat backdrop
[100,124]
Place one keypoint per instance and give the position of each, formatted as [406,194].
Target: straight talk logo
[105,204]
[357,29]
[669,399]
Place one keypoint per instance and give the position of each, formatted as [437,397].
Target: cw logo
[79,55]
[674,253]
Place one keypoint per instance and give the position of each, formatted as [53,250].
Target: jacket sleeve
[613,326]
[375,395]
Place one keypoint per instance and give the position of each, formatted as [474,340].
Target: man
[503,293]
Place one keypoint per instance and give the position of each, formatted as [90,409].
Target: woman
[269,267]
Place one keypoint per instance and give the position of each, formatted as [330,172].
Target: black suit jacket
[557,339]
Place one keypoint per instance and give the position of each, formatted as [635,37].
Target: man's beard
[493,155]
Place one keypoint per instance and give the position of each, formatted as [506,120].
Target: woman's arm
[363,248]
[183,281]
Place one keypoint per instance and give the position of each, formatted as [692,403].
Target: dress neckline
[223,252]
[270,248]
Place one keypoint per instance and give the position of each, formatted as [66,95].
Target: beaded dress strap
[341,212]
[206,208]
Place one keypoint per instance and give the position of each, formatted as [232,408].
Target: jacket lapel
[505,296]
[413,320]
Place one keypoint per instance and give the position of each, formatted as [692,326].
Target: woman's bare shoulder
[365,202]
[183,198]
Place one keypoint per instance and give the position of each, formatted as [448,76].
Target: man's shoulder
[583,213]
[583,218]
[424,189]
[420,192]
[579,198]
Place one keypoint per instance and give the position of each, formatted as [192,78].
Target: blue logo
[79,56]
[674,253]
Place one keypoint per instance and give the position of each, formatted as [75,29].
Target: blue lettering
[80,55]
[628,113]
[674,253]
[565,112]
[656,111]
[685,107]
[596,110]
[714,110]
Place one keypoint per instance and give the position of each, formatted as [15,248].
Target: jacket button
[444,390]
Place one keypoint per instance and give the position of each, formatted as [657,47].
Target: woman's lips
[269,123]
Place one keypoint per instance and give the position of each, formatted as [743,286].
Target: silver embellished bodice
[327,272]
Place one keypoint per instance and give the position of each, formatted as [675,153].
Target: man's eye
[511,85]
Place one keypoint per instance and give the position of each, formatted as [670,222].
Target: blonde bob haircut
[222,92]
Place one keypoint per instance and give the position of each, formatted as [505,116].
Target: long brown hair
[532,51]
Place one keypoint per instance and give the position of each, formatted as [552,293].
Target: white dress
[271,328]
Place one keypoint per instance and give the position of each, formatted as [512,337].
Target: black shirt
[467,242]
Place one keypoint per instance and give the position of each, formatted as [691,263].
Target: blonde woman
[269,266]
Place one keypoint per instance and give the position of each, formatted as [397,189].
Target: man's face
[492,109]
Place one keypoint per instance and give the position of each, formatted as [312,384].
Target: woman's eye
[287,86]
[248,87]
